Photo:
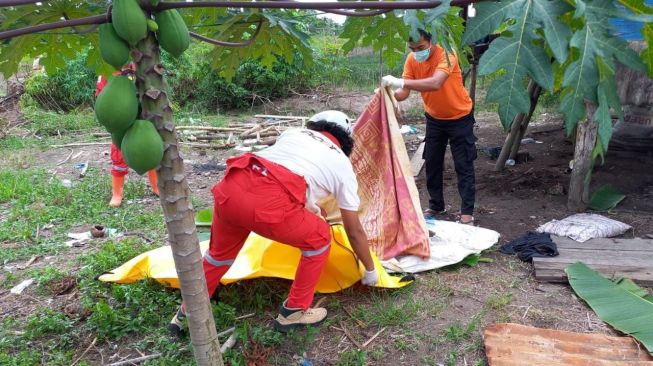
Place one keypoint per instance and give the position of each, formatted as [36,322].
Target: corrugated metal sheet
[520,345]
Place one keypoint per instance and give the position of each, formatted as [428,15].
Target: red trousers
[266,198]
[118,166]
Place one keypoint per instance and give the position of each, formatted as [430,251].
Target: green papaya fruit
[172,34]
[113,49]
[142,146]
[152,26]
[116,138]
[117,105]
[129,21]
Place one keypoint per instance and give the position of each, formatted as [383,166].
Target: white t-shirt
[320,162]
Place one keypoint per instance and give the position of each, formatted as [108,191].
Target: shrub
[195,84]
[67,89]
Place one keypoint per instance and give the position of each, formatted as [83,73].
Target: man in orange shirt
[449,119]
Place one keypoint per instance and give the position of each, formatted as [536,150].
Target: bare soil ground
[447,310]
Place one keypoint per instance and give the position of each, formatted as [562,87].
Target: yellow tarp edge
[259,257]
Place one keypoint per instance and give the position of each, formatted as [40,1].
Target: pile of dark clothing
[531,245]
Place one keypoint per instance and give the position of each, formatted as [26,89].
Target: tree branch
[85,31]
[314,5]
[96,19]
[358,13]
[324,6]
[230,44]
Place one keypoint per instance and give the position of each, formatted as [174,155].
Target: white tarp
[451,243]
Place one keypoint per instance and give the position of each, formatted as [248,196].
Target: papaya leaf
[278,39]
[519,51]
[388,34]
[614,304]
[647,54]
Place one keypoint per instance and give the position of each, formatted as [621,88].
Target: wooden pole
[472,87]
[535,96]
[515,128]
[586,133]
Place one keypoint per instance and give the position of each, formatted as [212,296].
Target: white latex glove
[370,278]
[392,81]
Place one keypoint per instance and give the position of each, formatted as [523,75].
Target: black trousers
[460,135]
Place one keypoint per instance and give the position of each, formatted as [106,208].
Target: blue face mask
[422,55]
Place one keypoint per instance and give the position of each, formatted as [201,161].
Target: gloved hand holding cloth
[392,81]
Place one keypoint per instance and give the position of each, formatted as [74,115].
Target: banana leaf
[620,305]
[605,198]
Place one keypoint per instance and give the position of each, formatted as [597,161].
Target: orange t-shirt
[451,101]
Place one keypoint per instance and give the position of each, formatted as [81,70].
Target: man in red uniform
[275,193]
[449,120]
[119,168]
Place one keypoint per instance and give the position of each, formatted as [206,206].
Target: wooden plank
[555,272]
[605,256]
[604,243]
[416,162]
[632,258]
[519,345]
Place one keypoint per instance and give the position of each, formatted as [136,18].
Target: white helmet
[335,117]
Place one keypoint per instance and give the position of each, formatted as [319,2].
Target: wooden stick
[225,332]
[77,144]
[136,360]
[245,316]
[207,146]
[351,337]
[85,351]
[268,141]
[66,159]
[251,130]
[101,134]
[230,342]
[278,117]
[211,128]
[319,302]
[260,134]
[373,337]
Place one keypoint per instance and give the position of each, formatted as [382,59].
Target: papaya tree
[561,45]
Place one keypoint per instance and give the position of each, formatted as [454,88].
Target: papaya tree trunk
[579,184]
[176,201]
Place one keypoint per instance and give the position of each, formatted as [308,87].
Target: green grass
[388,310]
[53,123]
[32,199]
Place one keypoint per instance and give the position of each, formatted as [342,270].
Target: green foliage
[278,39]
[48,123]
[542,36]
[47,321]
[352,358]
[618,305]
[67,89]
[389,34]
[519,51]
[196,85]
[605,198]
